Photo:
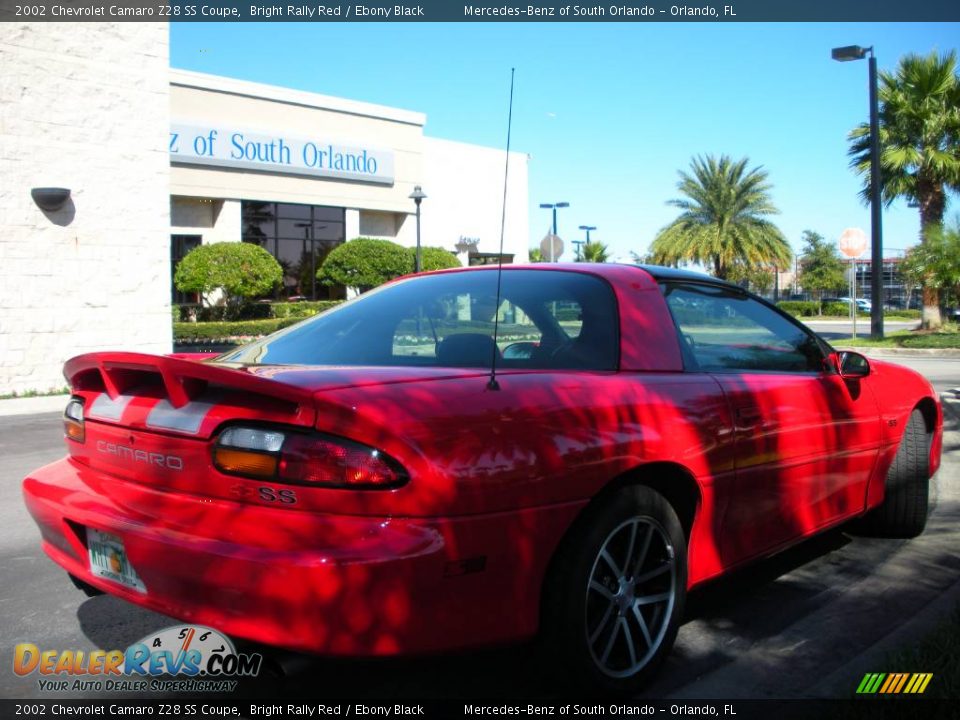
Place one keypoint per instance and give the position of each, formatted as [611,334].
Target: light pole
[845,54]
[554,206]
[587,229]
[417,196]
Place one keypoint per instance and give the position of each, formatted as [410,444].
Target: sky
[609,113]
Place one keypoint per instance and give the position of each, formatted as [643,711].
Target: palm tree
[595,252]
[919,144]
[723,220]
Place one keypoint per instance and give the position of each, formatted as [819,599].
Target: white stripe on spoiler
[103,408]
[186,419]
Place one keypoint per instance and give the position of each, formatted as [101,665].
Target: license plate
[108,559]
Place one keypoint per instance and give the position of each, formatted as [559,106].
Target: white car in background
[863,304]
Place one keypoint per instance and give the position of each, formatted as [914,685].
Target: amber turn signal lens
[73,430]
[244,462]
[73,420]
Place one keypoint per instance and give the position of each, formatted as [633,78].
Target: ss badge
[269,494]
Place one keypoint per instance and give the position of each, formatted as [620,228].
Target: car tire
[903,513]
[615,593]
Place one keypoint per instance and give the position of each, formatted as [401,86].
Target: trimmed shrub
[241,270]
[841,309]
[433,258]
[364,263]
[799,308]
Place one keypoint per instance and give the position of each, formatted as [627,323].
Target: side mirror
[850,364]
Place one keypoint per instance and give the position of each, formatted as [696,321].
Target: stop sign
[551,247]
[853,242]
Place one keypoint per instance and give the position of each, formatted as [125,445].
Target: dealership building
[157,161]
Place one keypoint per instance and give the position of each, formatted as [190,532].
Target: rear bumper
[329,584]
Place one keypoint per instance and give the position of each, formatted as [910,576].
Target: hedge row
[811,308]
[251,311]
[186,332]
[808,308]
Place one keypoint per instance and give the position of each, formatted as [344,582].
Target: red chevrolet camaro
[443,463]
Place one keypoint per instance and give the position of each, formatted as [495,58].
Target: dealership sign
[227,146]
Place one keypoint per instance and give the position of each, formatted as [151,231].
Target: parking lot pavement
[777,629]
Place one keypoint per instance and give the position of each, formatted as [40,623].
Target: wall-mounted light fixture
[50,198]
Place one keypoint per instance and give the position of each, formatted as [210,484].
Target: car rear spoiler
[117,373]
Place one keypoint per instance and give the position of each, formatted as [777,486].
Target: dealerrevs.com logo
[205,658]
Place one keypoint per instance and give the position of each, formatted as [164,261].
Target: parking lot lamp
[845,54]
[417,196]
[554,206]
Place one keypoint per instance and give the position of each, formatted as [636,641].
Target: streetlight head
[546,206]
[417,195]
[563,204]
[849,52]
[588,227]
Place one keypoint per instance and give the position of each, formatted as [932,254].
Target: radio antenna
[493,384]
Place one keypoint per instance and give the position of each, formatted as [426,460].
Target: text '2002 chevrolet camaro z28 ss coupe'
[395,476]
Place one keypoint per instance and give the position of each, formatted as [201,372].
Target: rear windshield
[547,320]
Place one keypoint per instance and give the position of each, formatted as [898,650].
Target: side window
[724,330]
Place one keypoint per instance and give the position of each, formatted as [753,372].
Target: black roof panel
[660,272]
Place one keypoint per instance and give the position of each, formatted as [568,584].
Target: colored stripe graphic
[894,683]
[918,683]
[870,683]
[903,680]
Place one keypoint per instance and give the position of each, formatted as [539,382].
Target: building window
[180,245]
[479,258]
[300,237]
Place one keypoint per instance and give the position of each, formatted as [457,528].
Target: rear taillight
[73,420]
[324,460]
[320,460]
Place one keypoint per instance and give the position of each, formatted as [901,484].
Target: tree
[433,258]
[239,270]
[935,263]
[723,220]
[758,278]
[365,263]
[821,267]
[919,145]
[595,252]
[535,255]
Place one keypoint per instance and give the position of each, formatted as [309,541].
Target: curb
[903,352]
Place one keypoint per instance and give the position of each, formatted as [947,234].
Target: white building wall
[464,187]
[83,106]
